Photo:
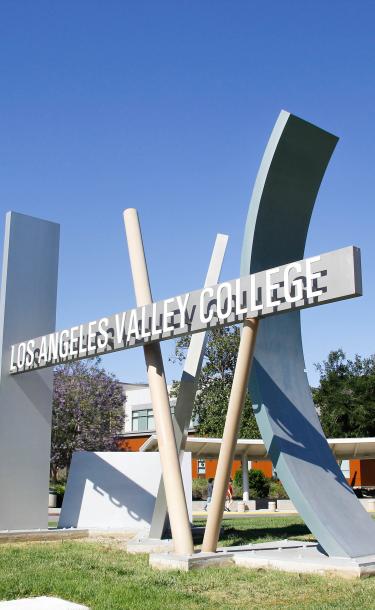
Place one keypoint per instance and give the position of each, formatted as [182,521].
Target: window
[143,420]
[345,468]
[201,466]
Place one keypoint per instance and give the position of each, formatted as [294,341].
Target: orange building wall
[131,444]
[211,466]
[264,465]
[362,473]
[194,469]
[355,473]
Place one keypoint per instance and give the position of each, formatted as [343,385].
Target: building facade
[139,426]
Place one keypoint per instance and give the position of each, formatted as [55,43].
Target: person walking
[229,496]
[210,487]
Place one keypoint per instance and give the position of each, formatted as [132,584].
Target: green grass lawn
[104,577]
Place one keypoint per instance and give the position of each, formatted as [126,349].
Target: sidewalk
[261,512]
[261,507]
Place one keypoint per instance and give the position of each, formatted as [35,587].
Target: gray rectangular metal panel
[27,308]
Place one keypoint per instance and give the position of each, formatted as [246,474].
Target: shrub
[237,481]
[199,489]
[237,491]
[277,490]
[59,490]
[259,484]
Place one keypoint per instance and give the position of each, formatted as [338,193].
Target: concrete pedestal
[149,545]
[144,544]
[284,555]
[42,535]
[185,563]
[305,559]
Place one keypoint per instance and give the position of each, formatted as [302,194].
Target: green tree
[215,384]
[345,398]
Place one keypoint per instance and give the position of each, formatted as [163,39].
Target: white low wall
[367,503]
[115,490]
[285,505]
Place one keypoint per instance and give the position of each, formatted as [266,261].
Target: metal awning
[254,449]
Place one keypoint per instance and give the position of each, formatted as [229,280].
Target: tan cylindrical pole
[174,489]
[232,422]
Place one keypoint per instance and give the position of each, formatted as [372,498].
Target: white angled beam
[188,387]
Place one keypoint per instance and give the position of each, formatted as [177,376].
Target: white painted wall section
[115,490]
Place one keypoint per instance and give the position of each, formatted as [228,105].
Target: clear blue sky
[167,107]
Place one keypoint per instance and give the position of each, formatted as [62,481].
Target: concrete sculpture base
[145,544]
[149,545]
[41,535]
[185,563]
[285,555]
[305,559]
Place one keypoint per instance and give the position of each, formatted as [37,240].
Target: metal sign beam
[297,285]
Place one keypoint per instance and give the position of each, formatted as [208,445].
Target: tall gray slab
[283,198]
[27,309]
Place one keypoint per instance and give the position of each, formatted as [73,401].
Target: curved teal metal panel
[283,198]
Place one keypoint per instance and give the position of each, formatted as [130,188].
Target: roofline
[151,445]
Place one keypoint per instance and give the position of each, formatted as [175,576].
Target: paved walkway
[248,513]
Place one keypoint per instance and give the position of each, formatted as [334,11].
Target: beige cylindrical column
[174,489]
[232,422]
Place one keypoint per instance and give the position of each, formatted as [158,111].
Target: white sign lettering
[296,285]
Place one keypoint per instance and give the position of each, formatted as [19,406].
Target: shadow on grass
[249,535]
[251,531]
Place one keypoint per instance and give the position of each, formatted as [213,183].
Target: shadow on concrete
[122,491]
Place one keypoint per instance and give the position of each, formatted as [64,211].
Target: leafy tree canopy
[215,384]
[88,411]
[345,398]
